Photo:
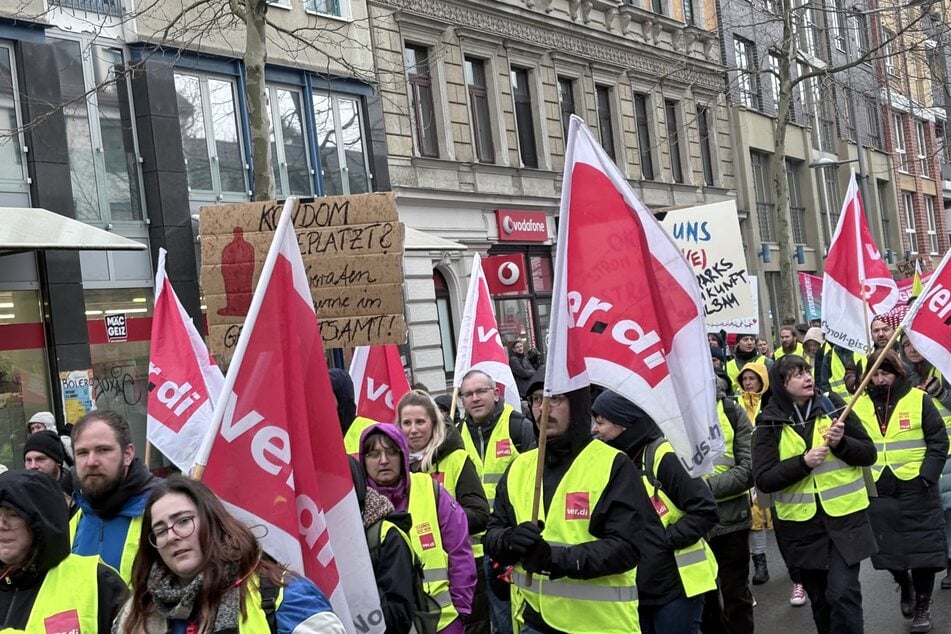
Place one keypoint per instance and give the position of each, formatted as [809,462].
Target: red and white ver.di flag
[275,455]
[480,346]
[184,382]
[626,308]
[857,284]
[379,381]
[928,323]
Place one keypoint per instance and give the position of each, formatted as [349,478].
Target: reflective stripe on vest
[70,595]
[837,371]
[351,440]
[840,487]
[727,460]
[256,620]
[426,540]
[603,605]
[696,563]
[902,448]
[450,468]
[129,549]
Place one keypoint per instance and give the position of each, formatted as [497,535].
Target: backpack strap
[269,593]
[649,452]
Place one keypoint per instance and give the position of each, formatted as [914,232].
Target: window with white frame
[12,163]
[100,132]
[836,18]
[922,143]
[911,232]
[932,226]
[747,78]
[336,8]
[900,147]
[211,138]
[772,59]
[341,144]
[887,37]
[802,88]
[419,76]
[289,156]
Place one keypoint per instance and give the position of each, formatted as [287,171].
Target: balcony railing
[798,217]
[102,7]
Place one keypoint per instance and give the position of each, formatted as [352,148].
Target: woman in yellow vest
[440,531]
[198,569]
[677,566]
[436,448]
[812,465]
[43,584]
[907,517]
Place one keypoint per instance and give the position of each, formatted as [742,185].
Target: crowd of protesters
[627,541]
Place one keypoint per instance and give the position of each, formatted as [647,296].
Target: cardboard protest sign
[709,238]
[745,324]
[352,247]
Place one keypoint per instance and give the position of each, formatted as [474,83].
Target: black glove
[538,558]
[523,538]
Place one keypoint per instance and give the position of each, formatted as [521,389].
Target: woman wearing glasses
[199,569]
[440,532]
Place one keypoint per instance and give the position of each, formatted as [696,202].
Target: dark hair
[371,438]
[891,362]
[789,365]
[115,420]
[224,540]
[788,328]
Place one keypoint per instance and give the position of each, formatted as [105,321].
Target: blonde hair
[422,399]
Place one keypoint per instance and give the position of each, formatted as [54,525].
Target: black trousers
[479,619]
[835,595]
[729,608]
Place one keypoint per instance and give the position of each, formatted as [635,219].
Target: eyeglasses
[535,400]
[183,527]
[482,391]
[375,454]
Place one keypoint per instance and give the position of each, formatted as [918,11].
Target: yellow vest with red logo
[426,540]
[603,605]
[447,472]
[68,600]
[695,563]
[902,447]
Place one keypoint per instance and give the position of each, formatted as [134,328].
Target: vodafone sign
[522,226]
[505,274]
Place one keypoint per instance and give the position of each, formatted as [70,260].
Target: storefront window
[24,375]
[526,316]
[516,321]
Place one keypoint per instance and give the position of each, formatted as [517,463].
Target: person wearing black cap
[906,515]
[677,567]
[585,547]
[45,588]
[745,352]
[44,452]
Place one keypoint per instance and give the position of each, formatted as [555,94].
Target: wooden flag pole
[452,406]
[868,334]
[539,468]
[148,453]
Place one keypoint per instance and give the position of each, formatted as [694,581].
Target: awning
[25,229]
[417,240]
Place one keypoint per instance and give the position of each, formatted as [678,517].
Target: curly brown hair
[226,544]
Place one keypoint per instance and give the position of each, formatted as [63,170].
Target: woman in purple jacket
[440,533]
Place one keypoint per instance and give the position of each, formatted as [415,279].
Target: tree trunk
[255,57]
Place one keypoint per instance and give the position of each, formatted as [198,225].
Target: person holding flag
[198,569]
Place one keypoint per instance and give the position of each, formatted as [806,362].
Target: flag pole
[539,467]
[148,453]
[865,309]
[452,406]
[201,460]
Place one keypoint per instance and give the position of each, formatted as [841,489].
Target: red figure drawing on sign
[237,269]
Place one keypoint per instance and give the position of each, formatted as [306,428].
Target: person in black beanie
[684,510]
[44,452]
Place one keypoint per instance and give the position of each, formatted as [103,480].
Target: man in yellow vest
[812,464]
[583,552]
[677,568]
[493,434]
[47,589]
[788,343]
[111,489]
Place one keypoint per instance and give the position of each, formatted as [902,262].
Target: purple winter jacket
[453,525]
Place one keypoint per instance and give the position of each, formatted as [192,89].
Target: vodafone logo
[509,273]
[525,226]
[511,226]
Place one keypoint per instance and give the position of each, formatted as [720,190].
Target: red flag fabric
[277,459]
[184,382]
[857,284]
[929,321]
[626,308]
[480,345]
[379,381]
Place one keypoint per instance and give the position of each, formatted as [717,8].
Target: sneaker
[797,597]
[922,616]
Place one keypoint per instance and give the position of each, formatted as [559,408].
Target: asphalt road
[879,598]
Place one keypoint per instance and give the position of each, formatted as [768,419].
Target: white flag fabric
[626,308]
[928,323]
[480,345]
[276,456]
[856,284]
[184,382]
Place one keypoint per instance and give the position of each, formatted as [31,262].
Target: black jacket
[907,516]
[523,370]
[734,512]
[469,492]
[807,544]
[616,520]
[38,499]
[658,581]
[520,429]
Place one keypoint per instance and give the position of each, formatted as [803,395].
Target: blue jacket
[106,538]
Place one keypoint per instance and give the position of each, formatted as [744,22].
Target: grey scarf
[174,601]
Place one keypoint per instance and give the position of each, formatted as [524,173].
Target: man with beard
[788,343]
[112,486]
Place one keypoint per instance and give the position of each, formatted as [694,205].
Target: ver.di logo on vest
[577,506]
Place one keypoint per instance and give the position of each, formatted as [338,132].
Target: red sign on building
[522,226]
[505,274]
